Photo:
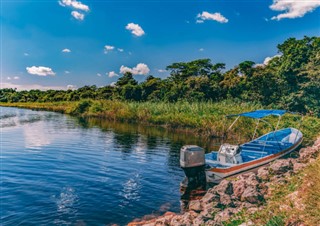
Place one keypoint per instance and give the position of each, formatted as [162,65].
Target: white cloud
[199,21]
[211,16]
[73,87]
[77,15]
[120,50]
[112,74]
[135,29]
[41,71]
[266,61]
[108,48]
[67,72]
[98,74]
[140,69]
[66,51]
[201,49]
[74,4]
[8,78]
[113,84]
[16,77]
[30,86]
[162,70]
[293,8]
[26,54]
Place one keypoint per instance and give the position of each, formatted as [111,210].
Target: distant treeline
[290,80]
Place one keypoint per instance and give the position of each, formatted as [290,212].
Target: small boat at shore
[233,159]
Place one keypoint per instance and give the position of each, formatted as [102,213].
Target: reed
[202,118]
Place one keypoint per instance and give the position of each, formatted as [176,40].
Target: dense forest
[290,80]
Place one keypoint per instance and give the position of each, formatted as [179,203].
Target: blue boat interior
[265,145]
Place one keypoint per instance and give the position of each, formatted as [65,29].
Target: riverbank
[285,192]
[199,118]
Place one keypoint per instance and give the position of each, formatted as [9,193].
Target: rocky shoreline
[247,192]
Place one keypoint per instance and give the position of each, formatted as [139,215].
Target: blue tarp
[261,113]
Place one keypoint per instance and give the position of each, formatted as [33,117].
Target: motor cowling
[192,161]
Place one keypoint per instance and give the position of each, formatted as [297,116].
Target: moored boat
[234,159]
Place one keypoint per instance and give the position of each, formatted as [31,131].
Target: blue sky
[71,43]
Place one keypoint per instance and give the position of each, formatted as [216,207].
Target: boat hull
[215,175]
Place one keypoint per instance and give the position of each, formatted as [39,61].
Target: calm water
[60,170]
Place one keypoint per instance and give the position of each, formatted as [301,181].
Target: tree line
[290,80]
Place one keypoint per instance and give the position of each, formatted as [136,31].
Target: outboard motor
[192,161]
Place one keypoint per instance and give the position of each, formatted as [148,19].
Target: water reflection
[127,134]
[34,136]
[70,171]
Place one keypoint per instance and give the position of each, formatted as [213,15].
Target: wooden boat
[234,159]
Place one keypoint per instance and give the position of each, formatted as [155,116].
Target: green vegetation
[290,81]
[205,118]
[302,204]
[197,94]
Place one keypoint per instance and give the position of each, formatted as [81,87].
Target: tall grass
[204,118]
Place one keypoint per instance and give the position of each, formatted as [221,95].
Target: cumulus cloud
[77,15]
[266,61]
[162,70]
[16,77]
[108,48]
[292,8]
[98,74]
[211,16]
[135,29]
[74,4]
[120,50]
[41,71]
[201,49]
[112,74]
[66,51]
[67,72]
[140,69]
[72,87]
[113,84]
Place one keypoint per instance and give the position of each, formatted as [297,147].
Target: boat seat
[259,144]
[252,151]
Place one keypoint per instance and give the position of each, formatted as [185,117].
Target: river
[61,170]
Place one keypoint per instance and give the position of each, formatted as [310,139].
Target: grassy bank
[203,118]
[296,202]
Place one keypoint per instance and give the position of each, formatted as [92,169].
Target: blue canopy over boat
[260,113]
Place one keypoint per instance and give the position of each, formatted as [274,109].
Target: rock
[263,173]
[298,166]
[225,214]
[238,187]
[251,179]
[225,187]
[200,220]
[251,195]
[195,205]
[281,166]
[209,198]
[225,200]
[278,179]
[308,153]
[185,219]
